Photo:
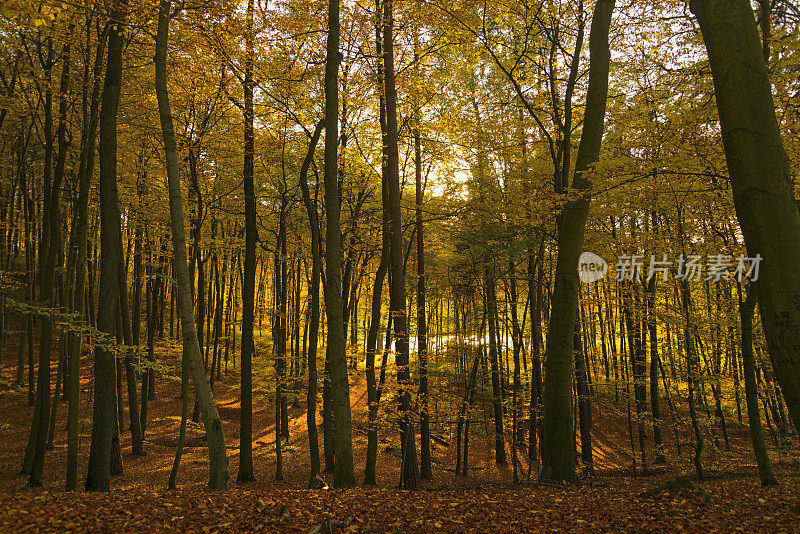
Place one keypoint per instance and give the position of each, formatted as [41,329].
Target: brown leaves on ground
[736,505]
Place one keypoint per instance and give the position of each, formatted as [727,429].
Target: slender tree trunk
[584,404]
[558,443]
[337,355]
[409,475]
[80,223]
[218,460]
[691,376]
[152,324]
[249,277]
[137,443]
[383,267]
[422,325]
[185,377]
[313,328]
[765,471]
[491,311]
[655,401]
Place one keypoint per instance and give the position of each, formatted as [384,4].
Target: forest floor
[484,501]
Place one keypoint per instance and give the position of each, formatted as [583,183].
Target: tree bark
[422,326]
[497,403]
[409,473]
[765,471]
[218,460]
[337,355]
[80,223]
[760,178]
[313,328]
[558,440]
[249,276]
[373,398]
[105,395]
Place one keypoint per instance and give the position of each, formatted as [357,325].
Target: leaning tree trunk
[558,439]
[218,460]
[340,388]
[760,178]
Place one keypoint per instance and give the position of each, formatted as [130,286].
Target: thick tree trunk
[105,395]
[558,440]
[218,460]
[760,178]
[337,355]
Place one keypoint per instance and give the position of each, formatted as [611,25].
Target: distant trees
[464,148]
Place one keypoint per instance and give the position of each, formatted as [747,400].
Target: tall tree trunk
[535,297]
[105,395]
[422,326]
[558,440]
[153,295]
[249,276]
[760,178]
[655,401]
[383,267]
[337,355]
[497,403]
[218,459]
[279,333]
[313,328]
[584,403]
[80,224]
[409,473]
[691,375]
[137,444]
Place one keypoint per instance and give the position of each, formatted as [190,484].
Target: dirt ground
[485,500]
